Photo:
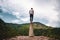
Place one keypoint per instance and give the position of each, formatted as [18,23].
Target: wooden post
[31,29]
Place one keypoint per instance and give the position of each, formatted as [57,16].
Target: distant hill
[36,25]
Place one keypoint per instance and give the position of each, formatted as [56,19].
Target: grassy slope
[39,29]
[36,25]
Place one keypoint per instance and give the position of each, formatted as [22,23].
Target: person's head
[31,8]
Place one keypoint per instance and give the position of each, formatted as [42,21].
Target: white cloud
[17,14]
[1,16]
[58,10]
[15,21]
[25,19]
[44,9]
[48,12]
[19,18]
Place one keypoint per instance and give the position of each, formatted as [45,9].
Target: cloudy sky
[17,11]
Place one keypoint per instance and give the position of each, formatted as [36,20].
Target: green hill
[36,25]
[8,30]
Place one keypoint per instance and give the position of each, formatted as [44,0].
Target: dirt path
[30,38]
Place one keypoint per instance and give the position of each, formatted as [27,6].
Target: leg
[30,17]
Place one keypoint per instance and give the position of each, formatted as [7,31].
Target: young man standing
[31,12]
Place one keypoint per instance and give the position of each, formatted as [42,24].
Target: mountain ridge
[37,25]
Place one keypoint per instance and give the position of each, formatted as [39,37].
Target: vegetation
[8,30]
[53,33]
